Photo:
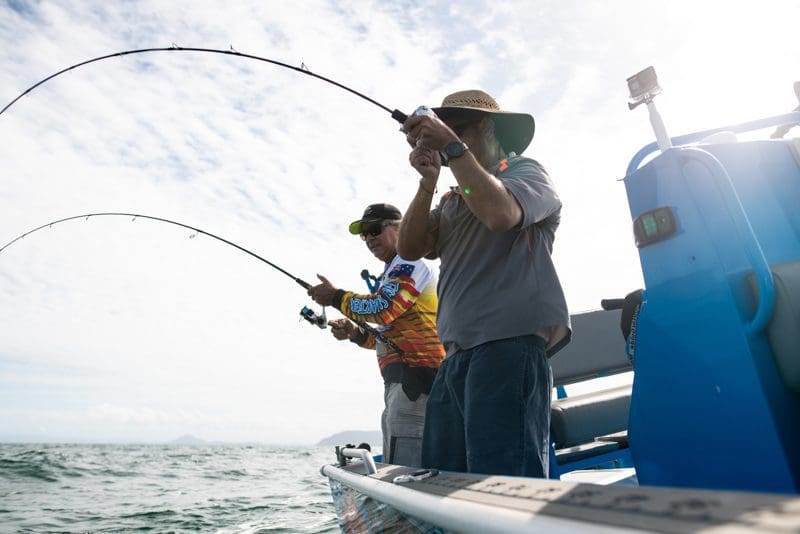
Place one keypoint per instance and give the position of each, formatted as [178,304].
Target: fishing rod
[396,114]
[306,313]
[86,216]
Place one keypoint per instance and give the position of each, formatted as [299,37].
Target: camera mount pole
[657,122]
[644,87]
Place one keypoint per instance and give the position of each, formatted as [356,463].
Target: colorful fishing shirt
[404,308]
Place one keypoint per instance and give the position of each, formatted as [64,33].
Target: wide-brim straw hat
[514,131]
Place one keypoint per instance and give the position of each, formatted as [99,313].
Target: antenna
[644,88]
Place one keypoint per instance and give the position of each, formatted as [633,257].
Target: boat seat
[596,349]
[580,419]
[783,331]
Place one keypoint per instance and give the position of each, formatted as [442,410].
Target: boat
[707,436]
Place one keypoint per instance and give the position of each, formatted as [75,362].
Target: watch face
[455,149]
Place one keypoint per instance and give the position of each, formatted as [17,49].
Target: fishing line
[134,216]
[397,115]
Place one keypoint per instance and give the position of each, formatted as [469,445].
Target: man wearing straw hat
[502,311]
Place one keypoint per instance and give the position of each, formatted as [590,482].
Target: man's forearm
[485,195]
[414,240]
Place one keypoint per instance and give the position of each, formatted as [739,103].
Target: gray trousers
[402,423]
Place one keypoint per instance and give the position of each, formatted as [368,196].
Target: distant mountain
[355,437]
[188,439]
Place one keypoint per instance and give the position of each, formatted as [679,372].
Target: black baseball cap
[375,213]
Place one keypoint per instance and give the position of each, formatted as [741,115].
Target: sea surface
[164,488]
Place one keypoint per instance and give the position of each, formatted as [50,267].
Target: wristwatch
[455,149]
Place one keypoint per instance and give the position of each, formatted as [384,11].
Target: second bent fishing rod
[309,315]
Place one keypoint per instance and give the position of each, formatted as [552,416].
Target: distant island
[354,437]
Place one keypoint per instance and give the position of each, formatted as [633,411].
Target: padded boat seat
[596,349]
[580,419]
[783,331]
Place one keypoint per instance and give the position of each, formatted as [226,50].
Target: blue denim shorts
[489,410]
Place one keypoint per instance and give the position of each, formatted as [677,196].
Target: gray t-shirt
[499,285]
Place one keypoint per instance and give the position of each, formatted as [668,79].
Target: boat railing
[777,120]
[343,453]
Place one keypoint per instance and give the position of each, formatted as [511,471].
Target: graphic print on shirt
[404,308]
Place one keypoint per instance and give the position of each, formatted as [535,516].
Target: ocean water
[164,488]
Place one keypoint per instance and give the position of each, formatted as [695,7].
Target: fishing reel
[371,285]
[314,318]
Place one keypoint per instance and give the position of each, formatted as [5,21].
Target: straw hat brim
[513,130]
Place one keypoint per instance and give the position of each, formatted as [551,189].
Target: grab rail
[363,454]
[766,283]
[787,118]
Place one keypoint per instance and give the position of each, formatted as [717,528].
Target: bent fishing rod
[309,315]
[134,216]
[396,114]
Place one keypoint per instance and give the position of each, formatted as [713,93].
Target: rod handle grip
[399,116]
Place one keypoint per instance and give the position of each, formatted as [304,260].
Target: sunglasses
[375,231]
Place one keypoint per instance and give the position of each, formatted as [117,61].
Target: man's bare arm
[416,239]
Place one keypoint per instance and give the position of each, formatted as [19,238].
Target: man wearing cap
[502,310]
[407,345]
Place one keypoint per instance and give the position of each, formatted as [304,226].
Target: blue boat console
[716,393]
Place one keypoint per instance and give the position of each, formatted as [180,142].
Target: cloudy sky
[116,330]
